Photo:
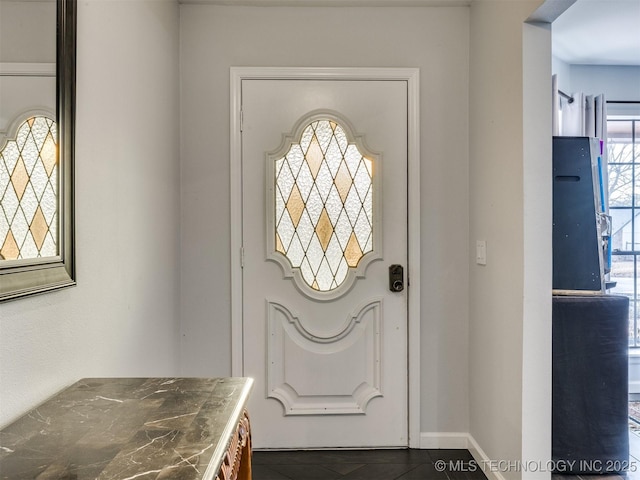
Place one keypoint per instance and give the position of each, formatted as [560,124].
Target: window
[323,205]
[29,191]
[623,154]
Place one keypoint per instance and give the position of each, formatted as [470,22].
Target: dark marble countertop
[125,429]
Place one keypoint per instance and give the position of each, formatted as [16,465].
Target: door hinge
[241,257]
[241,119]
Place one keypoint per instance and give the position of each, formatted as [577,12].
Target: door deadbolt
[396,278]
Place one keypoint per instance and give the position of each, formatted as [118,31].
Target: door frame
[412,77]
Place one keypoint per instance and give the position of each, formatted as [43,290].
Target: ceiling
[598,32]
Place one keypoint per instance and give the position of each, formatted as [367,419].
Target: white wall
[537,248]
[616,82]
[214,38]
[563,70]
[508,329]
[30,29]
[122,318]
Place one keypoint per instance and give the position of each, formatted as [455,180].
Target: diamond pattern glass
[29,191]
[323,205]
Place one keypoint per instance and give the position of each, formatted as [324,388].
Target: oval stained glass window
[324,205]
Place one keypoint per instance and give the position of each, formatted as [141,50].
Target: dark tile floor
[407,464]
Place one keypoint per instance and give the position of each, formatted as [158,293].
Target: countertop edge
[218,454]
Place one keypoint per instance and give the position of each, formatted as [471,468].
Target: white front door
[324,217]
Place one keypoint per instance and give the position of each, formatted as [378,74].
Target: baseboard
[464,440]
[483,460]
[444,440]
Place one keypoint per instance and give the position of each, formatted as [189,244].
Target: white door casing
[330,367]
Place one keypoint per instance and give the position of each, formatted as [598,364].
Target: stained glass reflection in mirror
[29,191]
[324,205]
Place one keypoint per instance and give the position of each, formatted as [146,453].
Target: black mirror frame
[43,275]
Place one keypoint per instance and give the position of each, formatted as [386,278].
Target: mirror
[37,125]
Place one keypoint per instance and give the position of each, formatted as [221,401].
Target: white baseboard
[444,440]
[458,440]
[482,459]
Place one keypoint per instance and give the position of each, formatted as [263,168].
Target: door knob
[396,278]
